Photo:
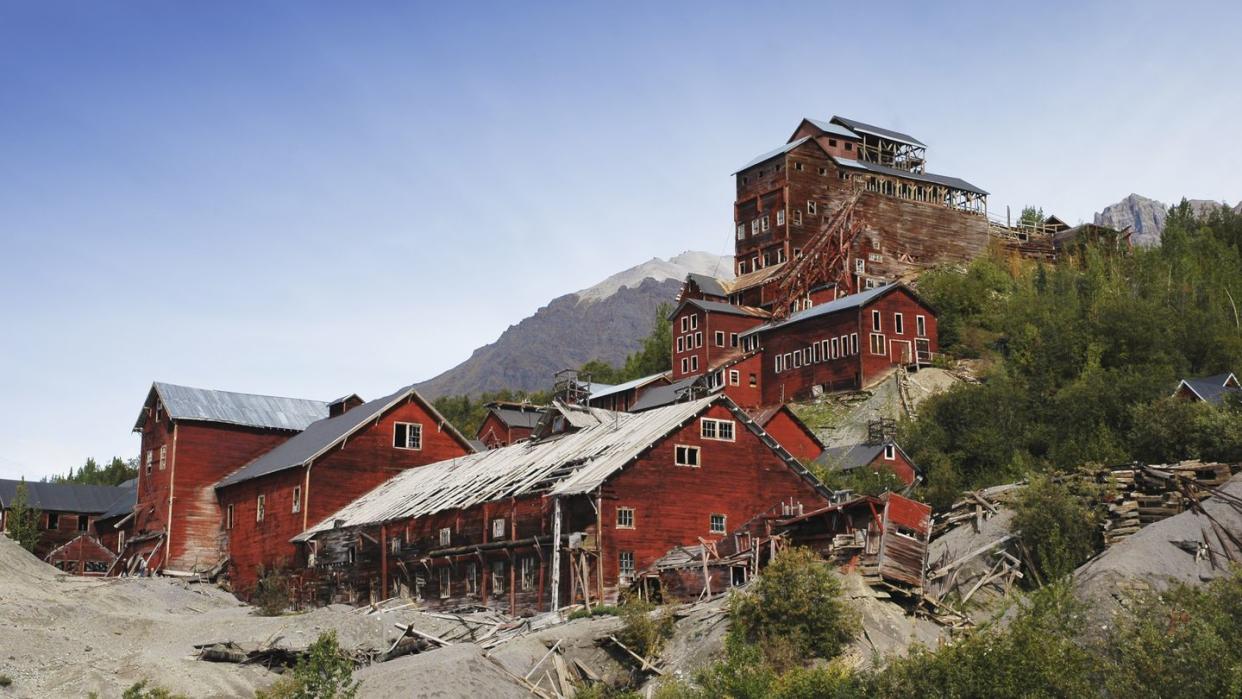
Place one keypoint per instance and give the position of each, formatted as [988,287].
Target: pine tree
[23,520]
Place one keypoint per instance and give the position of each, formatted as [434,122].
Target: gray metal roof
[944,180]
[63,497]
[324,434]
[707,284]
[515,417]
[727,308]
[125,501]
[245,409]
[1213,389]
[623,387]
[889,134]
[834,129]
[841,304]
[660,396]
[570,463]
[773,153]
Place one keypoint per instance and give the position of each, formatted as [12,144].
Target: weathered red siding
[793,435]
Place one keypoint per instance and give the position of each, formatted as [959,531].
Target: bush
[644,631]
[1056,527]
[597,610]
[271,593]
[140,690]
[794,609]
[325,672]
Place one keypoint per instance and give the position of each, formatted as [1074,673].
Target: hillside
[606,321]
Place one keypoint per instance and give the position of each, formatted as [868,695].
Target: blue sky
[311,199]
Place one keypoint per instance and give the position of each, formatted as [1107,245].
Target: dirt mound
[456,671]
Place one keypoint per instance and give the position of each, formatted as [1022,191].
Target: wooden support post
[556,553]
[599,543]
[383,561]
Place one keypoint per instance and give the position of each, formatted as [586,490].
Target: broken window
[446,536]
[259,507]
[625,518]
[718,524]
[797,217]
[625,565]
[407,435]
[228,517]
[498,528]
[684,455]
[527,573]
[446,582]
[763,224]
[150,460]
[297,499]
[83,521]
[741,231]
[471,579]
[498,577]
[163,457]
[53,520]
[810,206]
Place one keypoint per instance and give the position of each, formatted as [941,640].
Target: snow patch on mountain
[676,267]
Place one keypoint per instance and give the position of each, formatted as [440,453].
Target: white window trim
[920,326]
[854,344]
[882,345]
[297,499]
[716,425]
[260,508]
[890,452]
[446,536]
[694,363]
[408,425]
[876,322]
[163,457]
[498,528]
[724,523]
[735,377]
[698,455]
[899,324]
[632,519]
[719,336]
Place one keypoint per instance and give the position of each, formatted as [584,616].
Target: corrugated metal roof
[753,279]
[773,153]
[841,304]
[246,409]
[834,129]
[125,501]
[63,497]
[516,417]
[945,180]
[324,434]
[850,457]
[707,284]
[721,307]
[572,463]
[590,455]
[660,396]
[1212,389]
[889,134]
[623,387]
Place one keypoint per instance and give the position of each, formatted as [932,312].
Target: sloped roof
[623,387]
[707,284]
[945,180]
[834,129]
[325,434]
[227,407]
[764,415]
[848,458]
[125,501]
[721,307]
[513,416]
[1212,389]
[773,153]
[659,396]
[63,497]
[844,303]
[570,463]
[753,279]
[861,127]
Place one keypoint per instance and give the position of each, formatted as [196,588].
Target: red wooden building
[623,396]
[66,510]
[848,343]
[705,334]
[191,438]
[82,555]
[276,496]
[885,454]
[788,429]
[506,423]
[567,516]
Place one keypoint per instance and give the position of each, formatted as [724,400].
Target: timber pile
[975,506]
[1140,495]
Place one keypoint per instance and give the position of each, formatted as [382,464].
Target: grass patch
[598,610]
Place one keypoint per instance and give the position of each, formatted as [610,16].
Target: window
[120,540]
[853,343]
[877,343]
[797,360]
[471,578]
[694,322]
[685,323]
[920,326]
[741,231]
[83,521]
[767,258]
[754,227]
[53,520]
[780,364]
[754,263]
[890,452]
[163,457]
[407,435]
[716,429]
[625,518]
[797,253]
[806,356]
[836,347]
[797,217]
[735,377]
[446,536]
[787,362]
[351,555]
[780,217]
[780,255]
[899,324]
[849,146]
[694,363]
[297,498]
[681,346]
[860,266]
[228,517]
[832,143]
[875,257]
[685,365]
[718,524]
[446,581]
[810,206]
[260,507]
[763,224]
[625,564]
[798,167]
[498,577]
[498,528]
[684,455]
[720,338]
[733,339]
[741,267]
[394,544]
[875,321]
[823,171]
[150,460]
[754,380]
[527,571]
[815,353]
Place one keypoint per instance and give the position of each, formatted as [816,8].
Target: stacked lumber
[975,506]
[1140,495]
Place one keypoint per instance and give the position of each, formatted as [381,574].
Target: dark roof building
[1210,389]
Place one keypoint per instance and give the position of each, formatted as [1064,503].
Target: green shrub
[271,592]
[141,690]
[325,672]
[794,609]
[597,610]
[1056,527]
[644,630]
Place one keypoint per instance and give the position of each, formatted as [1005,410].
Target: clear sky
[311,199]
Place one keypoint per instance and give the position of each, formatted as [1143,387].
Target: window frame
[260,507]
[920,326]
[735,377]
[719,336]
[780,217]
[297,499]
[811,208]
[680,460]
[899,324]
[876,322]
[445,581]
[625,510]
[890,452]
[497,573]
[526,573]
[854,344]
[408,433]
[230,517]
[625,565]
[716,431]
[724,523]
[498,525]
[163,456]
[882,344]
[446,536]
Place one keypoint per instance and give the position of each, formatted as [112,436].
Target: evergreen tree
[23,520]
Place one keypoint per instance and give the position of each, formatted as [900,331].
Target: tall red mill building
[333,461]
